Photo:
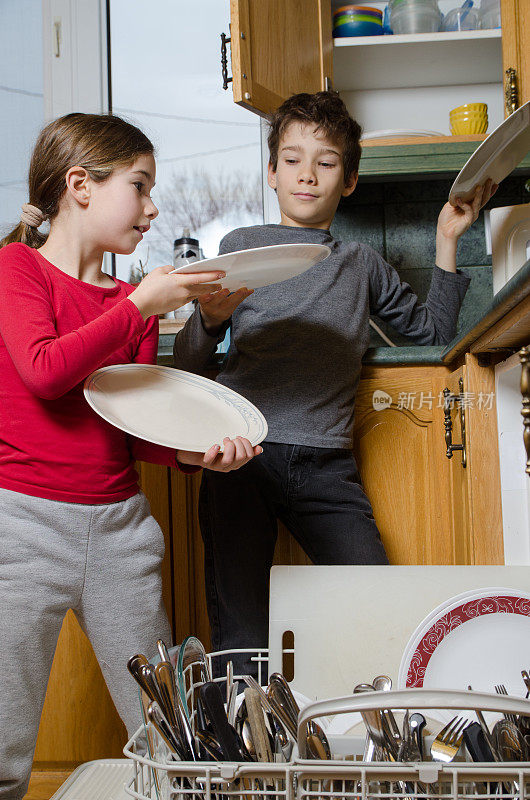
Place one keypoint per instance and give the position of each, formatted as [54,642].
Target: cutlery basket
[158,776]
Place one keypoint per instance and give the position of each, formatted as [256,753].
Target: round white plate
[261,266]
[393,133]
[171,407]
[496,157]
[478,638]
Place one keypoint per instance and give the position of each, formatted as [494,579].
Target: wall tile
[410,230]
[362,223]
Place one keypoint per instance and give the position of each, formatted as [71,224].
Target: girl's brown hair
[325,110]
[100,143]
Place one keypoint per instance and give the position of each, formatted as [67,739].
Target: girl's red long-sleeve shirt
[54,331]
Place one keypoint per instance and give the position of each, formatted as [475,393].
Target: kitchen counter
[513,298]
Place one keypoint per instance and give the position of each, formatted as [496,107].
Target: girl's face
[121,209]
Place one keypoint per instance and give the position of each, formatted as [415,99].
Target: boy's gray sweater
[296,346]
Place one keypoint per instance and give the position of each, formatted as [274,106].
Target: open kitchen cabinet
[411,81]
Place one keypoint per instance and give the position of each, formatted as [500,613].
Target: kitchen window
[166,78]
[21,102]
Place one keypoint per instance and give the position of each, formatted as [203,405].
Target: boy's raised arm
[432,322]
[435,321]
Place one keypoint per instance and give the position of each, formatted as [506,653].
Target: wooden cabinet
[280,47]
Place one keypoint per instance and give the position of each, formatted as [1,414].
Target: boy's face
[309,177]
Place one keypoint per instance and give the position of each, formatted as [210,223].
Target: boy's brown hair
[328,112]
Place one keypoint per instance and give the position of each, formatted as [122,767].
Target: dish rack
[158,777]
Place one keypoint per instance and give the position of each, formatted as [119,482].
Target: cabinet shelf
[437,159]
[429,59]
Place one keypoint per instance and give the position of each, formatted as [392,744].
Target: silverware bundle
[165,709]
[198,723]
[202,725]
[509,739]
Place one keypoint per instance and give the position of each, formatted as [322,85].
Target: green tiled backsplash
[398,219]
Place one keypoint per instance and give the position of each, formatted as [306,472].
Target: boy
[296,351]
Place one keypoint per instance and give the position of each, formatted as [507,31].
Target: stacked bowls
[469,119]
[414,16]
[357,21]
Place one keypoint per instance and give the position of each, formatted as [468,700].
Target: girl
[77,532]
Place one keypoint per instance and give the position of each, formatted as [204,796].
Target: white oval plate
[171,407]
[261,266]
[496,157]
[392,133]
[479,638]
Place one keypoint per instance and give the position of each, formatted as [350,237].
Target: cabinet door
[475,489]
[516,44]
[279,48]
[398,442]
[484,484]
[458,475]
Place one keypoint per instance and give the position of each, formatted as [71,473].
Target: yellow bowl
[469,118]
[465,114]
[483,107]
[468,127]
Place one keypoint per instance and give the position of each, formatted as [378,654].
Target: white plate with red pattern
[479,638]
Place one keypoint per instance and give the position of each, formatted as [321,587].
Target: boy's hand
[237,452]
[160,291]
[454,221]
[217,307]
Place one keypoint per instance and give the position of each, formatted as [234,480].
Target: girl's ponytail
[100,143]
[26,234]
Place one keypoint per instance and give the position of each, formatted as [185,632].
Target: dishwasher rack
[158,776]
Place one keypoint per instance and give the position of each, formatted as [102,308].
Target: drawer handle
[449,399]
[224,60]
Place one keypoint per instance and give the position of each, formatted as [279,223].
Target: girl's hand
[454,221]
[217,308]
[237,452]
[160,292]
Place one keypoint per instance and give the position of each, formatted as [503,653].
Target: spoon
[374,725]
[156,716]
[384,684]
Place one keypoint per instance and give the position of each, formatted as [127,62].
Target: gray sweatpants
[102,561]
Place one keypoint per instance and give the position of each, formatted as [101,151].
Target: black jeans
[316,492]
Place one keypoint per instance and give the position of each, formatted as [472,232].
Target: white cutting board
[353,623]
[510,242]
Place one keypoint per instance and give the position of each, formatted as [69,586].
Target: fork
[501,689]
[447,743]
